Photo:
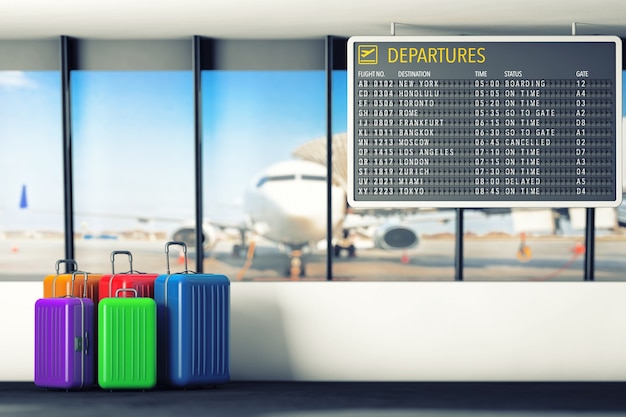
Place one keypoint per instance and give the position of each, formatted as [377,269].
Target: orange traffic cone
[404,258]
[579,249]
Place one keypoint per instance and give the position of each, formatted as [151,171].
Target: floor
[313,399]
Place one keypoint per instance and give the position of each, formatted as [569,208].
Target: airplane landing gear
[345,244]
[239,249]
[350,249]
[296,265]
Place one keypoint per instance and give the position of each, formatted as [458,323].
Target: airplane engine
[395,237]
[187,234]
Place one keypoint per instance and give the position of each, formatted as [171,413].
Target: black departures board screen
[484,121]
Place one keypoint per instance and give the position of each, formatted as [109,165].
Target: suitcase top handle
[167,254]
[126,289]
[85,286]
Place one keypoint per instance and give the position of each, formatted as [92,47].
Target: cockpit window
[289,178]
[275,178]
[314,177]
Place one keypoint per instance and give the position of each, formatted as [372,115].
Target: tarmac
[486,258]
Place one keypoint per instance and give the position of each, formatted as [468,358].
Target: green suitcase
[127,342]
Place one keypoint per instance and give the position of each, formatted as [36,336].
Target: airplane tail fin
[23,199]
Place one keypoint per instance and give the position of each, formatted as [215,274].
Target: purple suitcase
[64,341]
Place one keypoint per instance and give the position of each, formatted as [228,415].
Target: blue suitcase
[193,333]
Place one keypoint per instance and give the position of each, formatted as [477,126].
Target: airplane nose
[301,217]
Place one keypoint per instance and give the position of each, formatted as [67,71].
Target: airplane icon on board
[366,52]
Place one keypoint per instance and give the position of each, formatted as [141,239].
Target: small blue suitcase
[193,333]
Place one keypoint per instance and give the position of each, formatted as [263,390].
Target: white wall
[416,331]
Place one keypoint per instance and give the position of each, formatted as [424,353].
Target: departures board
[484,121]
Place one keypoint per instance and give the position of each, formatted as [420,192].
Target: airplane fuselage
[288,203]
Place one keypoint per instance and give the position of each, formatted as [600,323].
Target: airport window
[132,161]
[523,245]
[31,194]
[610,240]
[386,245]
[609,249]
[134,182]
[255,126]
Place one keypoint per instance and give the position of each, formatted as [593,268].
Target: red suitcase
[141,282]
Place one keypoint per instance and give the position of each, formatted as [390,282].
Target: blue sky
[133,137]
[30,130]
[253,119]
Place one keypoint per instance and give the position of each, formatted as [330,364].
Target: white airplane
[286,204]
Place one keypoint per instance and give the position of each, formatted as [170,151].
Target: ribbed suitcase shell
[142,283]
[60,285]
[193,316]
[127,343]
[64,333]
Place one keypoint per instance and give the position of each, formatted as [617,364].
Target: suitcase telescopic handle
[167,253]
[71,262]
[85,286]
[73,266]
[126,289]
[121,252]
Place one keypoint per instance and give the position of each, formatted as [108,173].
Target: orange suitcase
[60,285]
